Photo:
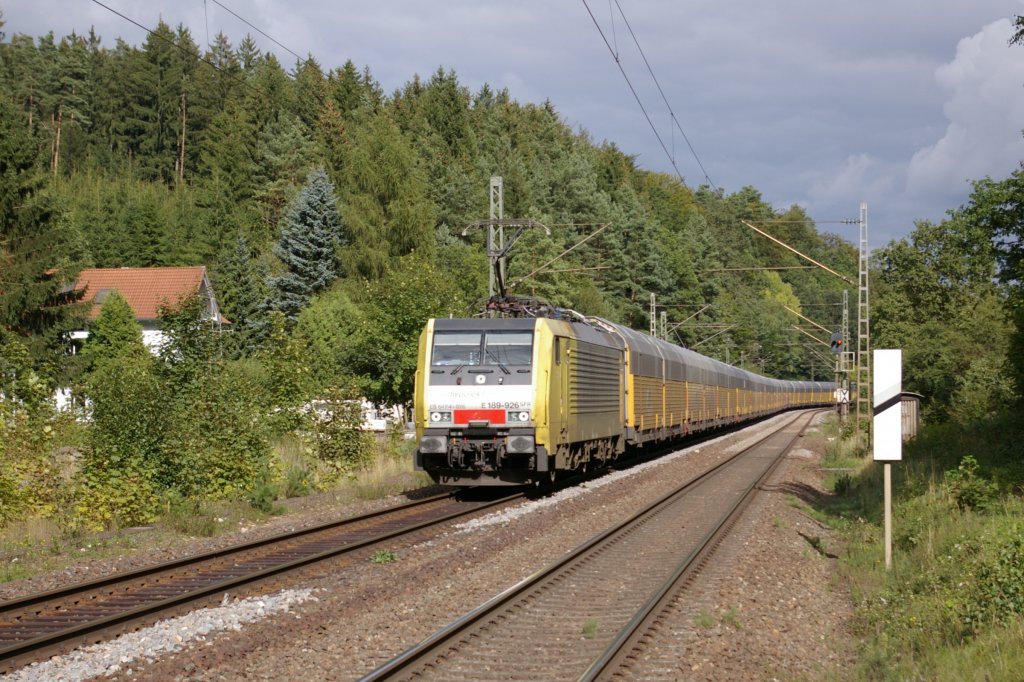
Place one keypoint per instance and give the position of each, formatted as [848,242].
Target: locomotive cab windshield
[492,348]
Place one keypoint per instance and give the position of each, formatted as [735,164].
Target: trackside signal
[837,342]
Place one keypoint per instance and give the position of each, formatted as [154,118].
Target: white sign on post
[888,422]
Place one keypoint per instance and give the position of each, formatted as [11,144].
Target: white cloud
[985,114]
[861,175]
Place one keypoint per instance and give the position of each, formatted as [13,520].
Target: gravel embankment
[770,605]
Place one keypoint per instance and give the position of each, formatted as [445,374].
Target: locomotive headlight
[520,444]
[433,444]
[518,416]
[440,416]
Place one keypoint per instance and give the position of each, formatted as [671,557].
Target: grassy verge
[952,607]
[36,546]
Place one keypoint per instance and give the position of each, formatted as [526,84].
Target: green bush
[189,516]
[340,443]
[117,497]
[998,594]
[122,468]
[217,446]
[843,484]
[968,488]
[263,496]
[31,430]
[10,500]
[298,481]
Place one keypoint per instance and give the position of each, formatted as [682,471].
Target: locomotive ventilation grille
[595,379]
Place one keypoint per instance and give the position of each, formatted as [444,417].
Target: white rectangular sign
[887,381]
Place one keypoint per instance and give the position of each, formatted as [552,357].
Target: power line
[261,32]
[182,49]
[614,55]
[636,96]
[663,98]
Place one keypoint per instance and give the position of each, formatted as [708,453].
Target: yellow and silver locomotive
[510,401]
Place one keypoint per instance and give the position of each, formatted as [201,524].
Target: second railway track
[578,618]
[37,626]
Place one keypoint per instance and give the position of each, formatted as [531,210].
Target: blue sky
[816,103]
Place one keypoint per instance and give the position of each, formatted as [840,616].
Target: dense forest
[330,215]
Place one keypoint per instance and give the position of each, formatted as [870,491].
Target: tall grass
[952,607]
[390,471]
[386,469]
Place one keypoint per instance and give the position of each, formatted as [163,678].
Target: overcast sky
[821,103]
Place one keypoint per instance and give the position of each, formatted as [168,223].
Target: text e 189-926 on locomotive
[511,401]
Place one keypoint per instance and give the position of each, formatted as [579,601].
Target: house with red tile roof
[146,290]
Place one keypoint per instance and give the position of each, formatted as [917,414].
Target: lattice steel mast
[863,327]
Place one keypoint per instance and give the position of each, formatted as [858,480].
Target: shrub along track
[38,626]
[586,614]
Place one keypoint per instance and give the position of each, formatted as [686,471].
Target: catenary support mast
[863,328]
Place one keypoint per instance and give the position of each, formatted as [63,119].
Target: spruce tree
[227,169]
[39,252]
[283,154]
[241,284]
[311,232]
[248,54]
[114,334]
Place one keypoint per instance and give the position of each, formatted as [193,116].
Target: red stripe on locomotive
[493,416]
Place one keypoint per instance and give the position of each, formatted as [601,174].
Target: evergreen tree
[271,94]
[114,334]
[156,100]
[241,284]
[311,232]
[386,207]
[227,70]
[283,154]
[39,251]
[310,88]
[248,54]
[353,92]
[227,168]
[146,245]
[69,108]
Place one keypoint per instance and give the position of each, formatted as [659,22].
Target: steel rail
[431,646]
[98,629]
[633,632]
[71,590]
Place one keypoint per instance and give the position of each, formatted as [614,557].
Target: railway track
[41,625]
[587,616]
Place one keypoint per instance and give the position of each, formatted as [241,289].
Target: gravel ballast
[770,604]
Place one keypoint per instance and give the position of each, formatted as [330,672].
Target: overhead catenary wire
[258,30]
[206,61]
[632,89]
[636,95]
[675,120]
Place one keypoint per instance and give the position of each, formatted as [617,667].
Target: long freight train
[511,401]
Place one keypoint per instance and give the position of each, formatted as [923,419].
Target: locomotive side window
[509,348]
[456,348]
